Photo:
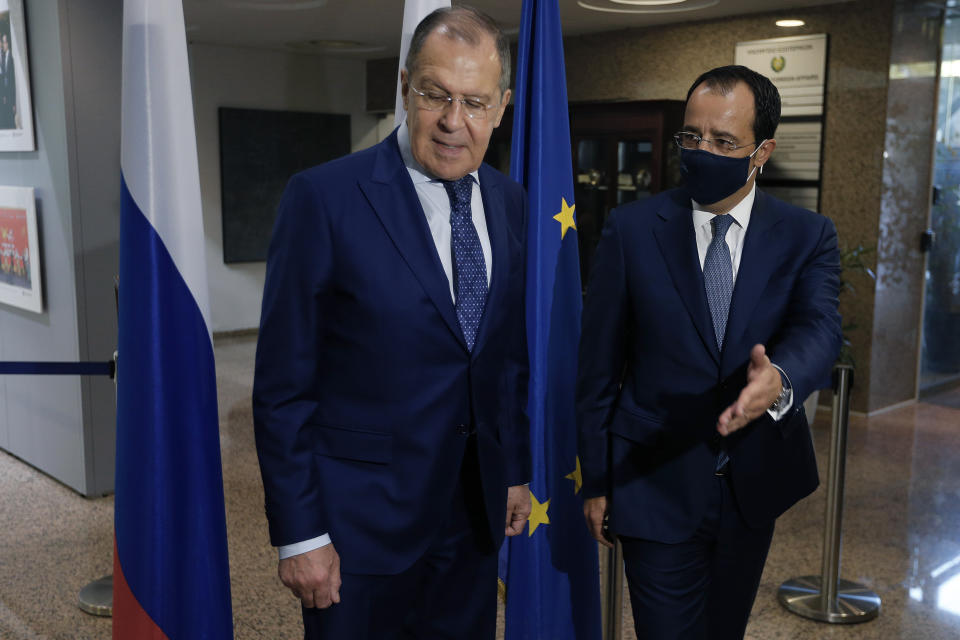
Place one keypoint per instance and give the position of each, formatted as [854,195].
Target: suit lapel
[678,245]
[759,255]
[494,212]
[393,197]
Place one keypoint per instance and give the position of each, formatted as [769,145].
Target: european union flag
[550,573]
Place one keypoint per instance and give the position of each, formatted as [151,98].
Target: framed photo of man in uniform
[16,110]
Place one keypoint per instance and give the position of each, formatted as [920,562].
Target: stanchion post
[827,597]
[613,593]
[96,598]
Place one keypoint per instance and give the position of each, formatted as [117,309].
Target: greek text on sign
[796,65]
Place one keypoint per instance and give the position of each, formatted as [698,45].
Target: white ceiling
[278,24]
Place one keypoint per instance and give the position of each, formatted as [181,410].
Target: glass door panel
[940,357]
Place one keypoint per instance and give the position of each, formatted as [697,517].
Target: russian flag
[414,11]
[171,576]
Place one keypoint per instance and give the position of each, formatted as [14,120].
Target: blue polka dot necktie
[718,276]
[469,267]
[718,281]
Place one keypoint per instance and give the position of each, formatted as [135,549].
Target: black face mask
[711,177]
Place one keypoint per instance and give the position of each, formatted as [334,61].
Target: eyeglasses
[687,140]
[437,101]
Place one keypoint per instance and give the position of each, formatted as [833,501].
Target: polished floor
[901,532]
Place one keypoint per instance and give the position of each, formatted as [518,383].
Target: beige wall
[905,205]
[258,79]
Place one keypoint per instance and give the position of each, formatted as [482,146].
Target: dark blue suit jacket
[364,390]
[651,444]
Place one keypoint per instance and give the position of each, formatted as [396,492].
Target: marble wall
[905,203]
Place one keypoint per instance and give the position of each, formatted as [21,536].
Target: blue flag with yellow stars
[549,572]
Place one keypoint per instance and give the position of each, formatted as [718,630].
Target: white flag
[413,12]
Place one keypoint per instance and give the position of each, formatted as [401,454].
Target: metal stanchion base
[97,597]
[854,603]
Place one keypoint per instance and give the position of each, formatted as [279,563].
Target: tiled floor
[901,533]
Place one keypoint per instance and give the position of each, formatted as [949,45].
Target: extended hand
[314,576]
[763,387]
[518,509]
[595,510]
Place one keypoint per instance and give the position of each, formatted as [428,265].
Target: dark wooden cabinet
[621,152]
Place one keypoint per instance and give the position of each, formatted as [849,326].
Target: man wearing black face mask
[711,313]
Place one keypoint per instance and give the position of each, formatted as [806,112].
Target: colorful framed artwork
[19,250]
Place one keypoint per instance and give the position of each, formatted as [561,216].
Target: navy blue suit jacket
[364,389]
[652,382]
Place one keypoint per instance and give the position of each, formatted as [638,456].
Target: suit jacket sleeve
[807,344]
[603,347]
[299,266]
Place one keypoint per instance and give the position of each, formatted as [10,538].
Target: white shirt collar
[417,172]
[740,212]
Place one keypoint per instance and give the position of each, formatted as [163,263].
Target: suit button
[462,429]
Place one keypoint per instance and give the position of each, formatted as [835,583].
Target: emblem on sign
[778,63]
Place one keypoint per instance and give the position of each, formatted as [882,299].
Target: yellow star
[538,513]
[577,476]
[565,218]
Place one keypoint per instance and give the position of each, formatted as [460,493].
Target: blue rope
[57,368]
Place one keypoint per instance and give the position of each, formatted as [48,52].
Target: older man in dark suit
[391,366]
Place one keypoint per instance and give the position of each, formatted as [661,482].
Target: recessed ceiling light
[648,2]
[649,6]
[275,5]
[790,23]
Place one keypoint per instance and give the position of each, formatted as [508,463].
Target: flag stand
[96,598]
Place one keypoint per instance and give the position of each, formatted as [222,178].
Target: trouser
[701,588]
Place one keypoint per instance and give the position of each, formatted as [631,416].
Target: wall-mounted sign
[798,152]
[796,65]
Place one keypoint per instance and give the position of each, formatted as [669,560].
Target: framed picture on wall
[16,108]
[259,151]
[19,250]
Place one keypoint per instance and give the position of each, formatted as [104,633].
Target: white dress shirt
[436,207]
[734,239]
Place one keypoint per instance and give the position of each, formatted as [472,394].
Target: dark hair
[766,98]
[466,24]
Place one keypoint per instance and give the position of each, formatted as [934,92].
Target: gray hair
[466,24]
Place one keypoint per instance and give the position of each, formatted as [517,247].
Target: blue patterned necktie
[469,268]
[718,281]
[718,276]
